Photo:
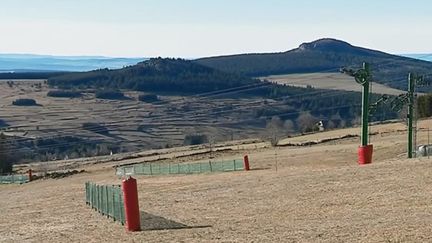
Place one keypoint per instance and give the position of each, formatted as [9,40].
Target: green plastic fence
[107,200]
[180,168]
[11,179]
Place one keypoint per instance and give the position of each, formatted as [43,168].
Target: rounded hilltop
[326,44]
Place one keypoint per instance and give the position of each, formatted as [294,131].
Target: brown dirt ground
[317,194]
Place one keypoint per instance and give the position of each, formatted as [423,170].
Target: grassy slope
[318,193]
[334,81]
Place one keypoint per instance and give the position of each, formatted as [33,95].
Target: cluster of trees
[149,98]
[24,102]
[195,139]
[156,75]
[110,95]
[424,106]
[47,149]
[3,123]
[64,94]
[304,123]
[10,84]
[37,86]
[302,114]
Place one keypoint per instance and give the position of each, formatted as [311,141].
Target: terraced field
[132,124]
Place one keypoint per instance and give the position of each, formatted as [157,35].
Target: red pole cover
[30,174]
[131,206]
[365,154]
[246,162]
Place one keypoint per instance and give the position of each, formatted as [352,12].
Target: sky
[198,28]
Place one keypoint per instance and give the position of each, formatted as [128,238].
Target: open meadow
[333,81]
[292,194]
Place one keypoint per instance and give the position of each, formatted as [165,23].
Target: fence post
[99,202]
[120,208]
[246,162]
[93,196]
[87,193]
[427,148]
[131,206]
[113,209]
[121,205]
[30,174]
[106,201]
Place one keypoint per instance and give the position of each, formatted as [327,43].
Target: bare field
[163,124]
[333,81]
[317,194]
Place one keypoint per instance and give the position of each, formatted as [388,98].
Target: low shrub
[24,102]
[149,98]
[110,95]
[64,94]
[195,139]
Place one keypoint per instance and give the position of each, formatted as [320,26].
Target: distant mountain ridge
[37,63]
[323,55]
[424,57]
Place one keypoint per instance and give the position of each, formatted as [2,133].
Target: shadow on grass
[153,222]
[263,168]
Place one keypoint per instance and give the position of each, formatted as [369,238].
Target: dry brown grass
[318,194]
[334,81]
[165,124]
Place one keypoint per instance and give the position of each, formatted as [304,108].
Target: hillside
[304,194]
[322,55]
[157,74]
[88,125]
[92,125]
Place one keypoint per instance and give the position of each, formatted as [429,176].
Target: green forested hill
[156,75]
[318,56]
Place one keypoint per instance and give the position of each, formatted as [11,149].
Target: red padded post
[246,162]
[131,206]
[365,154]
[30,174]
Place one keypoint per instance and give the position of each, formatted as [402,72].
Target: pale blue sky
[195,28]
